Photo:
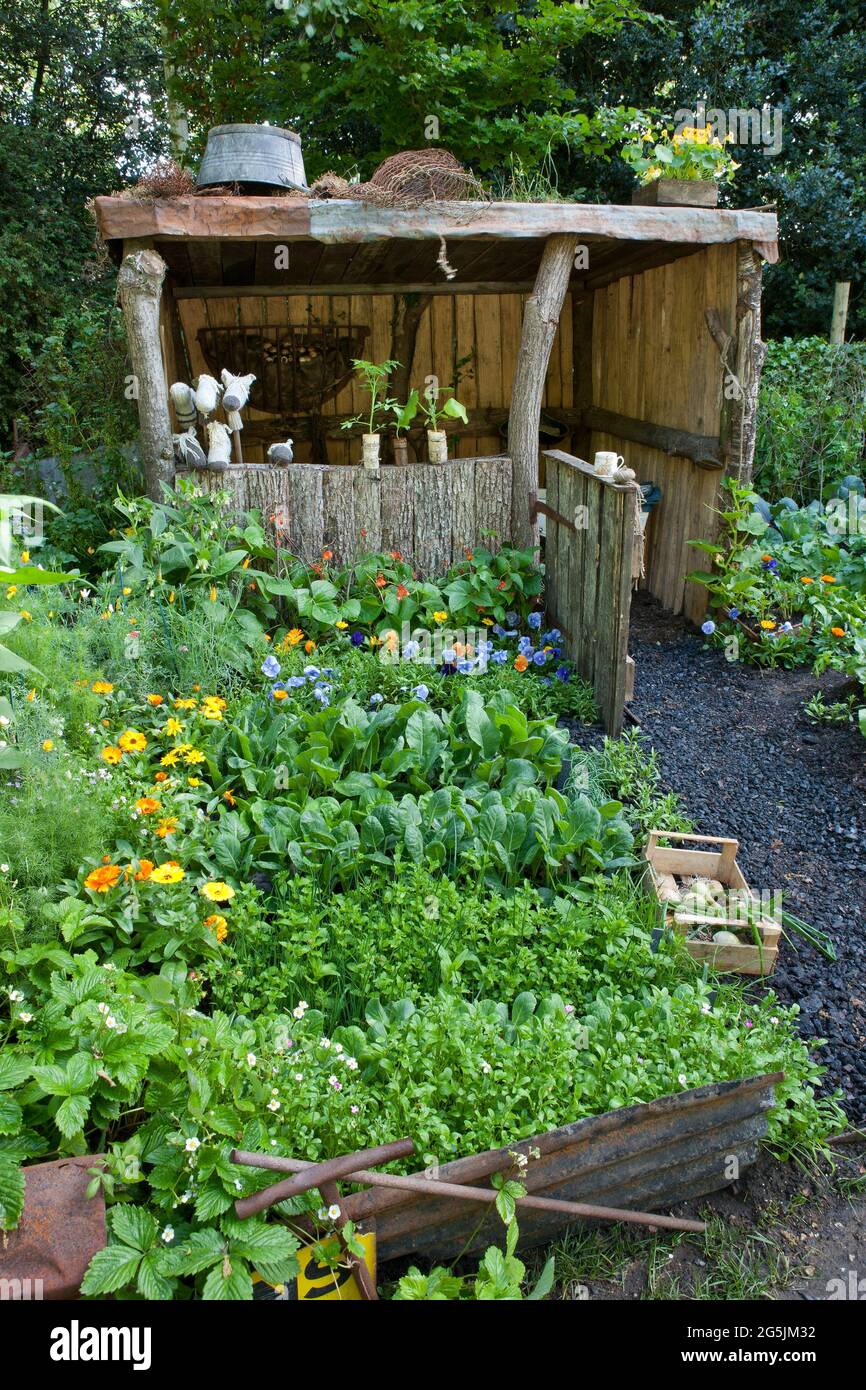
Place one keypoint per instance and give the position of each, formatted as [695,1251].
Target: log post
[742,354]
[140,286]
[841,291]
[540,321]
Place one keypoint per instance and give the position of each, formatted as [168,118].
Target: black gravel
[734,744]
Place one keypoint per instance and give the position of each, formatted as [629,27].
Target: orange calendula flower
[167,826]
[217,892]
[102,687]
[327,554]
[102,879]
[309,647]
[218,925]
[144,870]
[147,805]
[767,624]
[111,755]
[294,636]
[132,741]
[160,777]
[838,631]
[828,579]
[281,694]
[155,700]
[806,580]
[169,872]
[520,663]
[229,796]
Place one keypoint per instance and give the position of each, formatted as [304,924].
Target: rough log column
[140,285]
[540,321]
[742,355]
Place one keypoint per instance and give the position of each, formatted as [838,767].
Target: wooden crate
[748,958]
[694,193]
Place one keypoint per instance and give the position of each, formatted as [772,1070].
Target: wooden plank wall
[654,359]
[588,558]
[485,329]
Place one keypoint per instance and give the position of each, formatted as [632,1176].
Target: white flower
[569,1008]
[352,1063]
[773,1018]
[192,1144]
[121,1028]
[103,1008]
[706,1008]
[16,996]
[110,1022]
[4,868]
[251,1059]
[486,1067]
[322,1213]
[25,1018]
[4,721]
[683,1079]
[325,1043]
[273,1105]
[168,1235]
[274,1091]
[301,1009]
[334,1212]
[338,1047]
[299,1076]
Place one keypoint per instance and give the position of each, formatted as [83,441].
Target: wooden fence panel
[588,562]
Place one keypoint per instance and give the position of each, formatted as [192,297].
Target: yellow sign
[318,1281]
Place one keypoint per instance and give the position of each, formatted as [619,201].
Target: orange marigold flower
[229,796]
[838,631]
[102,687]
[111,755]
[281,694]
[147,805]
[327,554]
[828,579]
[806,580]
[520,663]
[167,826]
[144,870]
[160,777]
[154,700]
[293,637]
[132,741]
[396,555]
[218,925]
[309,646]
[102,879]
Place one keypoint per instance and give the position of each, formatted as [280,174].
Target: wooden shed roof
[225,243]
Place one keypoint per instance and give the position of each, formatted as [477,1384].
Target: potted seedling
[437,440]
[403,417]
[374,376]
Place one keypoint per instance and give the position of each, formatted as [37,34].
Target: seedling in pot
[374,376]
[437,441]
[403,417]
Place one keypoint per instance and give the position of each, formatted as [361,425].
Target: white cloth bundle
[183,400]
[281,453]
[219,452]
[188,449]
[207,395]
[237,391]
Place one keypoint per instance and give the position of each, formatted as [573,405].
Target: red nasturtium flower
[402,591]
[381,581]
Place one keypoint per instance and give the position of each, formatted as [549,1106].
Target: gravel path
[733,743]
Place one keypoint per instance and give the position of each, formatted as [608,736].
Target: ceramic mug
[606,464]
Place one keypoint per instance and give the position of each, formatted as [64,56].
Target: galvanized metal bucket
[252,154]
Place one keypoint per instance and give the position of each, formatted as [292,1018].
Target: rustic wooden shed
[630,328]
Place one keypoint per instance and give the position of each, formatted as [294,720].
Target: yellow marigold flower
[170,758]
[216,700]
[111,755]
[47,745]
[211,712]
[193,756]
[281,694]
[185,704]
[767,624]
[193,781]
[340,624]
[11,590]
[154,700]
[102,879]
[172,727]
[132,741]
[169,872]
[102,687]
[28,617]
[217,892]
[213,593]
[127,591]
[147,805]
[167,826]
[294,636]
[196,687]
[488,622]
[440,617]
[25,557]
[171,596]
[218,925]
[375,641]
[245,564]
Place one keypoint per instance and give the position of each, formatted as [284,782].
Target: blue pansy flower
[295,682]
[421,692]
[708,627]
[539,658]
[449,656]
[377,699]
[357,639]
[270,667]
[499,630]
[733,612]
[500,658]
[511,619]
[312,673]
[534,621]
[465,667]
[563,674]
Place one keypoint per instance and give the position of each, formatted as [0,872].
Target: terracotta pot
[437,446]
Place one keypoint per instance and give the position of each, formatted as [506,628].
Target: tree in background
[81,113]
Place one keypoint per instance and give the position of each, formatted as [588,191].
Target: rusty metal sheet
[60,1231]
[646,1157]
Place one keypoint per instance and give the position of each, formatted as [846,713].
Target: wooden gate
[588,574]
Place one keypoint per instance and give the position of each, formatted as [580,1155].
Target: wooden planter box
[748,958]
[683,193]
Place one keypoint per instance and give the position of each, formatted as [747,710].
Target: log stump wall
[431,513]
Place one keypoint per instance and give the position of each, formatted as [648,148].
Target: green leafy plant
[374,378]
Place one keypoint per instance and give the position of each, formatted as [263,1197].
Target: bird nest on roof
[408,180]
